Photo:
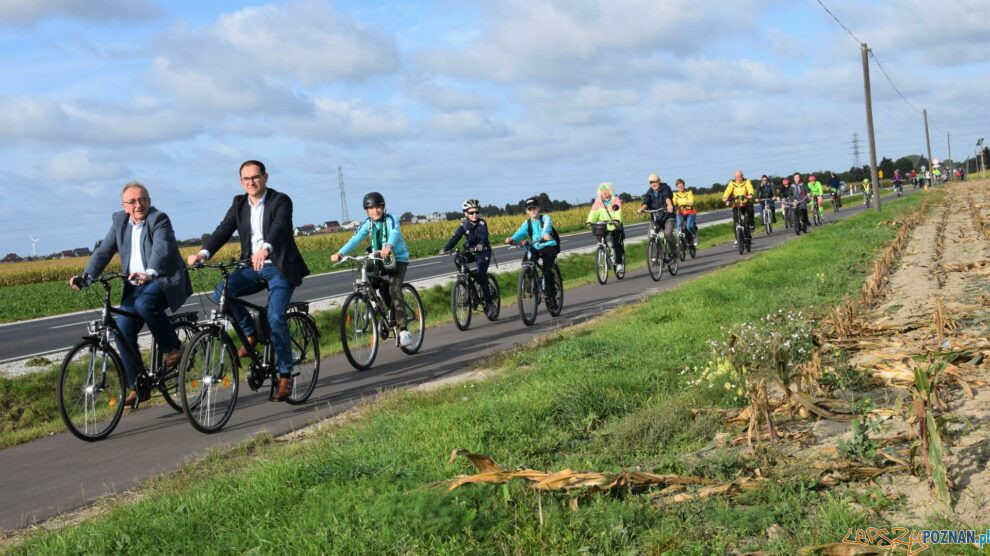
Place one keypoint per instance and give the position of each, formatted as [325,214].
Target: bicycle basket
[599,229]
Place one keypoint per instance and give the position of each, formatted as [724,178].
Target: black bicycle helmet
[373,199]
[532,202]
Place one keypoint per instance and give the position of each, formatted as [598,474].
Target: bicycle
[786,210]
[365,317]
[744,237]
[531,288]
[659,252]
[91,383]
[795,219]
[209,377]
[866,198]
[817,211]
[605,255]
[684,246]
[899,188]
[836,201]
[466,294]
[767,215]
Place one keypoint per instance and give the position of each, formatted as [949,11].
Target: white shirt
[257,229]
[136,264]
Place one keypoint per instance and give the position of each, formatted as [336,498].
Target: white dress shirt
[136,264]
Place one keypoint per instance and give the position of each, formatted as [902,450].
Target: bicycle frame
[473,277]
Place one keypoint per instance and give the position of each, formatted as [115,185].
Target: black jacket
[278,231]
[476,234]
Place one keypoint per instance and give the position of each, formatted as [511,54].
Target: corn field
[31,272]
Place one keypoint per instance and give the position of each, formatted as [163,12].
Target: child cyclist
[474,229]
[606,208]
[537,230]
[684,201]
[382,229]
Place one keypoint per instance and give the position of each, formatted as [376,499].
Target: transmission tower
[855,149]
[343,196]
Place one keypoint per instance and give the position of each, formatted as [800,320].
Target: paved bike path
[59,473]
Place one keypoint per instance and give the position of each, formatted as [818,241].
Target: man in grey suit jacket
[156,276]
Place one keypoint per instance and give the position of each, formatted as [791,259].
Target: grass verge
[607,395]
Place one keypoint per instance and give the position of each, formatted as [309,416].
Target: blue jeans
[692,226]
[148,302]
[247,281]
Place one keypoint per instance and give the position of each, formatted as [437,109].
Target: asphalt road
[59,473]
[52,334]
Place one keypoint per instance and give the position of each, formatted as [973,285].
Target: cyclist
[537,230]
[742,189]
[816,190]
[798,193]
[765,191]
[783,189]
[898,180]
[382,229]
[834,185]
[684,201]
[867,191]
[606,208]
[474,230]
[262,218]
[156,277]
[659,196]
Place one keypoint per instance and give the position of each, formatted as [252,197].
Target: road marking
[68,325]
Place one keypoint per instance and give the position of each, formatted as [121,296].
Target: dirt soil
[946,261]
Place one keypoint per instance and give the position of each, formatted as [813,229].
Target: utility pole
[948,144]
[928,145]
[874,177]
[343,197]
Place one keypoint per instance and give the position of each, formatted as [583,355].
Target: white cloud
[31,12]
[77,123]
[78,166]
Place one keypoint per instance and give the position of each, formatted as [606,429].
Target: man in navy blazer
[156,279]
[262,218]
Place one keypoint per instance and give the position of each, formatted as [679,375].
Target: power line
[829,12]
[891,81]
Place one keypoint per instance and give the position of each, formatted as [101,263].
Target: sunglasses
[654,182]
[532,208]
[472,212]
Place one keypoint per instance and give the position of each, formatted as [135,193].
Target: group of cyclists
[156,279]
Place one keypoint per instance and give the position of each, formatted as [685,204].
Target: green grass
[607,395]
[31,413]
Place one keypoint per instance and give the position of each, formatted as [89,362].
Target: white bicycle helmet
[470,204]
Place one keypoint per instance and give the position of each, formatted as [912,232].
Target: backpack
[553,230]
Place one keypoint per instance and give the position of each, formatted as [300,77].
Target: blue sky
[433,102]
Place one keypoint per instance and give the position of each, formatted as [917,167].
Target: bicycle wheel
[740,241]
[558,282]
[304,340]
[682,247]
[208,380]
[835,204]
[653,261]
[675,259]
[90,390]
[796,222]
[787,219]
[460,304]
[816,216]
[415,318]
[526,293]
[601,265]
[768,221]
[620,274]
[496,298]
[359,331]
[168,383]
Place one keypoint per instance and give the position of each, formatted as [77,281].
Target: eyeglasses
[139,200]
[471,212]
[249,179]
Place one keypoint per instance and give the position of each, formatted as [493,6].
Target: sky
[434,102]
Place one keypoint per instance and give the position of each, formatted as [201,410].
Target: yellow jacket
[684,201]
[733,189]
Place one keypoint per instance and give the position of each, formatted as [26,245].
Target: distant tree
[406,216]
[887,166]
[904,164]
[626,198]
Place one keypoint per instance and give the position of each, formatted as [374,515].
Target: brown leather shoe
[243,351]
[172,357]
[283,390]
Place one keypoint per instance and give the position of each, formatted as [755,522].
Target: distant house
[67,254]
[306,230]
[82,252]
[11,258]
[331,226]
[432,217]
[351,225]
